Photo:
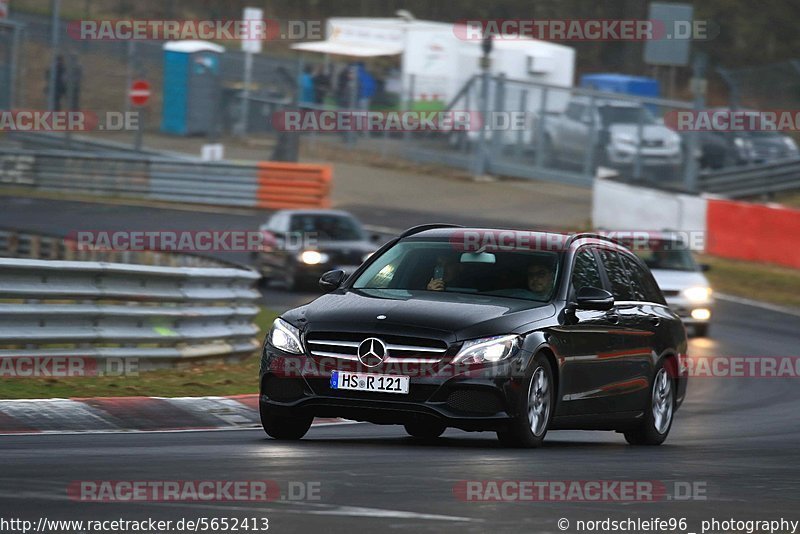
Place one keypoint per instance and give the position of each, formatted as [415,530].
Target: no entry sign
[139,93]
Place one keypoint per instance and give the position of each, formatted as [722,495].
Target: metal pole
[589,159]
[55,34]
[140,129]
[498,136]
[523,108]
[479,162]
[14,60]
[699,90]
[637,162]
[540,129]
[248,74]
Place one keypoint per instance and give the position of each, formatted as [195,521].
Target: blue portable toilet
[622,83]
[191,87]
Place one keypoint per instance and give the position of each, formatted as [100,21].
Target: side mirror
[705,267]
[593,298]
[331,280]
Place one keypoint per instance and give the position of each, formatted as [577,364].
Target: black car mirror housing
[593,298]
[331,280]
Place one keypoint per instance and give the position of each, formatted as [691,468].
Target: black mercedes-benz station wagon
[483,330]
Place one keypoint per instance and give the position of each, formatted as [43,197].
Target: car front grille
[344,345]
[652,143]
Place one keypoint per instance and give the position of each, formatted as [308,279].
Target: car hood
[674,280]
[447,316]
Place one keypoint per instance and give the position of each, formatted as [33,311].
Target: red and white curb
[142,414]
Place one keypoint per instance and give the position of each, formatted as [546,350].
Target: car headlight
[790,144]
[673,142]
[697,294]
[488,349]
[285,337]
[313,257]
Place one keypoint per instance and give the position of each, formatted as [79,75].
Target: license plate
[369,382]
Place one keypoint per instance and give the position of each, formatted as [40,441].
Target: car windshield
[667,255]
[327,227]
[439,266]
[625,115]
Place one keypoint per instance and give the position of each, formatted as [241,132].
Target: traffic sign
[139,93]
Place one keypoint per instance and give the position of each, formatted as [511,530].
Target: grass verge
[757,281]
[195,379]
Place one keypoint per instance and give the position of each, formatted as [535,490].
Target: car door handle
[655,321]
[613,318]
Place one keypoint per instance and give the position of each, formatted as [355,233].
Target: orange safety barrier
[293,185]
[756,232]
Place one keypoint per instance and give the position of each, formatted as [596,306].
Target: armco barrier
[290,185]
[755,232]
[262,185]
[159,315]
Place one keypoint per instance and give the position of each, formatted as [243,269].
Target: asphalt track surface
[735,439]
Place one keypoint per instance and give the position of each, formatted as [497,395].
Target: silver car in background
[680,277]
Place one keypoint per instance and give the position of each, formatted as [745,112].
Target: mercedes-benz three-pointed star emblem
[372,351]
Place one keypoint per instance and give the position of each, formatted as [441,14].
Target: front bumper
[684,309]
[475,398]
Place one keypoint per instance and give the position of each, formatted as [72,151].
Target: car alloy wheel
[539,402]
[662,401]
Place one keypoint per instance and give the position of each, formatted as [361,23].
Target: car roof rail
[422,227]
[593,235]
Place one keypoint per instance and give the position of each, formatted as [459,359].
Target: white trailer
[437,60]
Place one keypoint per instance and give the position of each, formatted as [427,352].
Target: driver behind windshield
[539,279]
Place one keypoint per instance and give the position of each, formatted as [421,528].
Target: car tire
[535,409]
[659,412]
[425,430]
[282,427]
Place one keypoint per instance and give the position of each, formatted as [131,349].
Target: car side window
[637,285]
[585,272]
[643,282]
[617,275]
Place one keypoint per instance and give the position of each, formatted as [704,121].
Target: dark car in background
[719,149]
[300,245]
[517,339]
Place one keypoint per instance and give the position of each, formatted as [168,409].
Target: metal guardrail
[753,180]
[254,185]
[36,246]
[105,310]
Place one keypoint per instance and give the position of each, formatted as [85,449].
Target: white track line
[758,304]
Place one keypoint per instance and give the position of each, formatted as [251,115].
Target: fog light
[701,314]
